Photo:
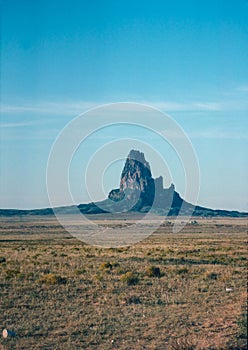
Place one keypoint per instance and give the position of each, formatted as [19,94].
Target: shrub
[120,271]
[115,264]
[212,276]
[133,299]
[80,271]
[51,278]
[106,266]
[130,278]
[12,273]
[2,259]
[99,277]
[183,271]
[242,323]
[153,271]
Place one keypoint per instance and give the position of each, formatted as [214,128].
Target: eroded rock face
[136,176]
[138,185]
[136,182]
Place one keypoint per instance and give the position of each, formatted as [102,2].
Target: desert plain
[185,290]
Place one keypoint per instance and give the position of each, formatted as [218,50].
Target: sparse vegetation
[212,275]
[11,273]
[130,278]
[182,271]
[133,299]
[242,323]
[183,343]
[51,278]
[106,266]
[57,292]
[153,271]
[2,260]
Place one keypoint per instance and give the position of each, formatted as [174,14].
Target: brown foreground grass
[171,291]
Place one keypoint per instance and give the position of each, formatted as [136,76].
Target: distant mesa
[138,192]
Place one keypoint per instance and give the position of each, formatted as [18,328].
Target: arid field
[172,291]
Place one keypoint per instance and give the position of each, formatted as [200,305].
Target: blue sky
[187,58]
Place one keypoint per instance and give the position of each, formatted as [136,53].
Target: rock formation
[138,191]
[137,184]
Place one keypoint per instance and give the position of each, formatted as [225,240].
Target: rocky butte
[138,192]
[138,185]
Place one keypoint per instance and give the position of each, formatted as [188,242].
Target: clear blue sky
[188,58]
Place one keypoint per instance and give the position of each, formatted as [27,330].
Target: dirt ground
[184,290]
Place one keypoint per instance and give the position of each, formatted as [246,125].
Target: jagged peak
[139,157]
[137,183]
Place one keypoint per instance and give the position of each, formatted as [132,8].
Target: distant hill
[138,192]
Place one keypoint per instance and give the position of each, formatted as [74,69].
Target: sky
[186,58]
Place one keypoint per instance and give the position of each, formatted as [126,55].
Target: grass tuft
[51,279]
[133,299]
[153,271]
[212,276]
[130,278]
[106,266]
[183,271]
[12,273]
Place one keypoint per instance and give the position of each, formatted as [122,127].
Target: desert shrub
[12,273]
[51,278]
[2,259]
[133,299]
[106,266]
[130,278]
[121,271]
[211,276]
[54,253]
[115,264]
[22,276]
[80,272]
[242,323]
[89,256]
[183,271]
[194,222]
[203,289]
[99,277]
[153,271]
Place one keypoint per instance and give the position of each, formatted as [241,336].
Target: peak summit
[136,170]
[138,156]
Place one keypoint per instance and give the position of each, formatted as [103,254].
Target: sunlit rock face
[138,185]
[136,179]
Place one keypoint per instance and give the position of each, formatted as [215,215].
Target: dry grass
[57,293]
[153,271]
[130,278]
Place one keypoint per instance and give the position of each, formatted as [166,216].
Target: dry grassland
[171,291]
